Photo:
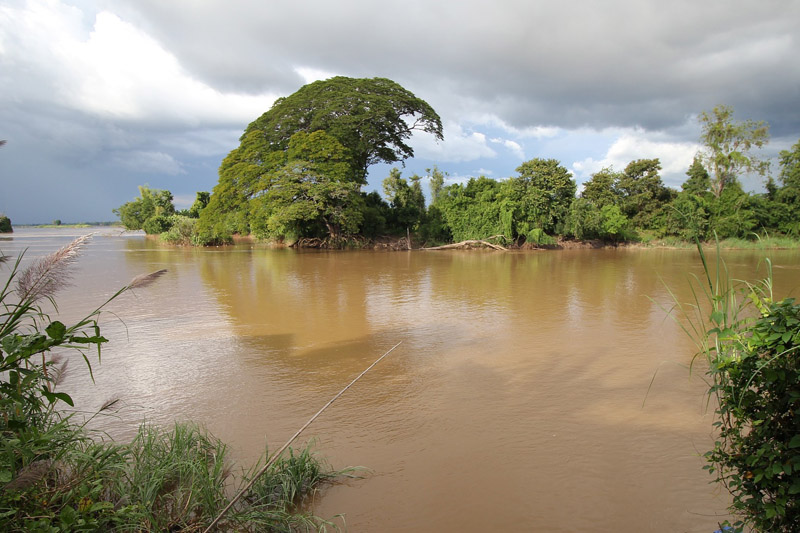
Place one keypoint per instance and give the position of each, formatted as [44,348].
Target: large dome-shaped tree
[371,118]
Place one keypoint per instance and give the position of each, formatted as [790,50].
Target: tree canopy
[361,122]
[728,146]
[150,203]
[298,171]
[372,118]
[314,188]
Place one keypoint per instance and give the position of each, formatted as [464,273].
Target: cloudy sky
[99,96]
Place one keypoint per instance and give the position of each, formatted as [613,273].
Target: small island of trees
[296,178]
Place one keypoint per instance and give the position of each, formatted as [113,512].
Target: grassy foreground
[57,476]
[748,345]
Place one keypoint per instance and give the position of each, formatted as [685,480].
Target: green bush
[538,237]
[5,224]
[751,345]
[757,454]
[182,230]
[157,224]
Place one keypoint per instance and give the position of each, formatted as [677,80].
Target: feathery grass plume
[143,280]
[108,404]
[58,368]
[48,274]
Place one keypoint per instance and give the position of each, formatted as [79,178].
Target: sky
[98,97]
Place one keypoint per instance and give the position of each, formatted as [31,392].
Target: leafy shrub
[757,382]
[157,224]
[5,224]
[538,237]
[751,346]
[182,230]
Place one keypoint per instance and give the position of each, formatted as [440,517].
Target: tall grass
[56,476]
[749,344]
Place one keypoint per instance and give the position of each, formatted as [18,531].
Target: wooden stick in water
[277,454]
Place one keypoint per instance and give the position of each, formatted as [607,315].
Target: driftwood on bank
[470,243]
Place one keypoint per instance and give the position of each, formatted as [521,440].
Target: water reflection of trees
[333,311]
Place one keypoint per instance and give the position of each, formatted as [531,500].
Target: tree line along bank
[297,177]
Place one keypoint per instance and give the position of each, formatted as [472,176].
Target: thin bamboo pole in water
[283,448]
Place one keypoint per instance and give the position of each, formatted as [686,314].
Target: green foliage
[5,224]
[434,229]
[56,478]
[731,214]
[436,182]
[528,206]
[33,433]
[588,221]
[601,189]
[314,193]
[182,230]
[157,224]
[641,193]
[788,196]
[584,220]
[698,182]
[374,213]
[200,202]
[688,216]
[728,147]
[614,221]
[750,345]
[407,202]
[540,197]
[300,166]
[474,210]
[150,203]
[372,118]
[538,237]
[757,381]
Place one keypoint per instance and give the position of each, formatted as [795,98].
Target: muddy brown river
[516,401]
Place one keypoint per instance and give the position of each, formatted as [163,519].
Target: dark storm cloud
[102,95]
[568,64]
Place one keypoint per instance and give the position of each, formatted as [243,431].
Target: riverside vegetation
[749,345]
[297,177]
[57,475]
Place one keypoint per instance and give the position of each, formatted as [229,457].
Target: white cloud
[459,145]
[310,75]
[115,70]
[675,156]
[513,146]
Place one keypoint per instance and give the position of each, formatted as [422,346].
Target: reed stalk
[277,454]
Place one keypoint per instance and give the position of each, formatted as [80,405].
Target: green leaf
[56,330]
[717,317]
[53,397]
[88,340]
[795,442]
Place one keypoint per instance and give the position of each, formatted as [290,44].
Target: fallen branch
[281,450]
[470,242]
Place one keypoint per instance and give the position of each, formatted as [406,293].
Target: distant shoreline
[75,225]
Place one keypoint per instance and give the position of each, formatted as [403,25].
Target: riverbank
[57,475]
[403,244]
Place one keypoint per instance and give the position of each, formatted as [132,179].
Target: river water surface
[516,401]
